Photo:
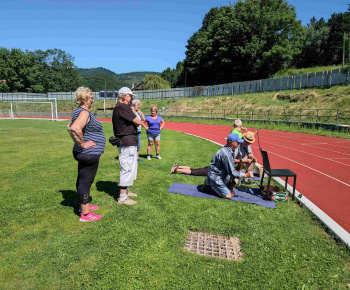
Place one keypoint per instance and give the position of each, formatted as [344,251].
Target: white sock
[123,196]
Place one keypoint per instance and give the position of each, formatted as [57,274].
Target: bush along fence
[312,80]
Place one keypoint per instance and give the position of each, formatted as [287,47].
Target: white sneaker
[149,157]
[127,201]
[158,157]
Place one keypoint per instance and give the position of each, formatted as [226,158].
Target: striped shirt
[91,132]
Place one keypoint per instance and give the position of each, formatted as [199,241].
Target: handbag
[115,141]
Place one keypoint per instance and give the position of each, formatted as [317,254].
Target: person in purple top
[153,124]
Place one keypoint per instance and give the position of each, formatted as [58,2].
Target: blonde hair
[82,95]
[154,108]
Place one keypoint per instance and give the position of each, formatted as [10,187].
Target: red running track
[322,164]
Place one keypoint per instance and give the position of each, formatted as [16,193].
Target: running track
[322,164]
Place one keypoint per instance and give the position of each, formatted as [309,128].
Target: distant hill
[91,72]
[128,78]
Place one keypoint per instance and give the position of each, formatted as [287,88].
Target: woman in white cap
[136,105]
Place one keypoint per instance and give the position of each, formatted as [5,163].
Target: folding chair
[275,172]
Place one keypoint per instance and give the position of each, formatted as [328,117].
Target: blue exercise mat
[250,195]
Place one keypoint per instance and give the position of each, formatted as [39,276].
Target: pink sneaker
[90,217]
[92,207]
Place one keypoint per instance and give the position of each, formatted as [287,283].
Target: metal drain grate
[214,246]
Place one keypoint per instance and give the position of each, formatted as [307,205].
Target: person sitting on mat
[188,170]
[244,154]
[237,128]
[222,169]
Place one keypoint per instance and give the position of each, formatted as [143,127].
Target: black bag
[115,141]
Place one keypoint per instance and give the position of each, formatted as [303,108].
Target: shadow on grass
[109,187]
[70,198]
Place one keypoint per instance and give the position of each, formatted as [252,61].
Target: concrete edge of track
[332,225]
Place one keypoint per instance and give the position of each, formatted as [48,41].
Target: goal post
[34,108]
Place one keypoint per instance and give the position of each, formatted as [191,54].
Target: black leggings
[87,168]
[200,171]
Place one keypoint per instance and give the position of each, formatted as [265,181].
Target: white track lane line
[308,153]
[312,168]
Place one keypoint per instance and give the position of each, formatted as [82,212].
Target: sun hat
[234,137]
[249,137]
[125,90]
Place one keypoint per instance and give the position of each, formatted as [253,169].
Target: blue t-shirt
[153,125]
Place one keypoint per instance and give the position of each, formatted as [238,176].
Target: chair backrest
[266,162]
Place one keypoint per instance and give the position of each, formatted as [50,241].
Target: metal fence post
[252,114]
[316,116]
[337,117]
[224,113]
[211,113]
[268,115]
[300,115]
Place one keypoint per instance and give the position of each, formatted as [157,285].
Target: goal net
[34,109]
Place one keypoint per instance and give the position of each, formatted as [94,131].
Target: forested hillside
[100,78]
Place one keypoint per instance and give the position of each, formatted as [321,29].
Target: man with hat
[222,168]
[244,153]
[125,124]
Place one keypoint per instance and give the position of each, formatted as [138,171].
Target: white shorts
[128,165]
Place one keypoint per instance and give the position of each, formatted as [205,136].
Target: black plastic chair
[275,172]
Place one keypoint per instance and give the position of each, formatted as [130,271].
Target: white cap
[125,90]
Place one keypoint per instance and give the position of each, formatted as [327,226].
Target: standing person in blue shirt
[89,145]
[136,105]
[153,124]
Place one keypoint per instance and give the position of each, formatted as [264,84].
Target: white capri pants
[128,165]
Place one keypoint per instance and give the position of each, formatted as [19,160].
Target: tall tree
[174,76]
[338,24]
[38,71]
[313,46]
[246,40]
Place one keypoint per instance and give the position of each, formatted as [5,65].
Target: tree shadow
[109,187]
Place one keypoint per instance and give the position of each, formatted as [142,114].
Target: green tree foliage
[103,82]
[174,76]
[153,82]
[313,46]
[338,24]
[38,71]
[243,41]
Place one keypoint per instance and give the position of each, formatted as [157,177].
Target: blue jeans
[222,189]
[139,144]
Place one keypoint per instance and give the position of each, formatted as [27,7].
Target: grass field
[44,246]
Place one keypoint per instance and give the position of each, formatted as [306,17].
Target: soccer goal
[34,108]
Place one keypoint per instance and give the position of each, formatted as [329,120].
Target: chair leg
[268,185]
[262,179]
[294,184]
[286,183]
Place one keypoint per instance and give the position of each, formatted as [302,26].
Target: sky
[119,35]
